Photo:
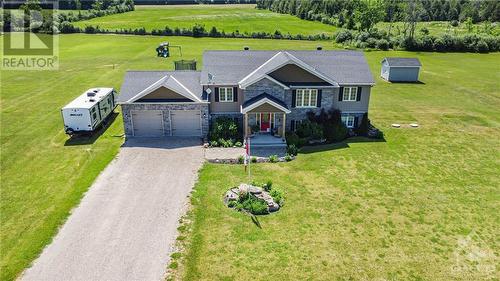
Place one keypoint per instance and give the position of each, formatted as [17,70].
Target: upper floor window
[226,94]
[306,98]
[350,93]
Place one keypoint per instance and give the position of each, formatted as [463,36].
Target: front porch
[265,125]
[265,119]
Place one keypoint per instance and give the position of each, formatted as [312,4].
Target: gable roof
[261,99]
[407,62]
[230,67]
[279,60]
[138,84]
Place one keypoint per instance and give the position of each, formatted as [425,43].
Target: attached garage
[147,123]
[186,122]
[164,103]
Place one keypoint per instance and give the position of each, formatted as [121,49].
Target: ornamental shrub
[292,150]
[224,128]
[273,158]
[309,130]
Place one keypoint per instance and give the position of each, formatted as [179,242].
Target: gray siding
[403,74]
[127,116]
[384,71]
[353,106]
[216,107]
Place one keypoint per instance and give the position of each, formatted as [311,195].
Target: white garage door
[147,123]
[186,122]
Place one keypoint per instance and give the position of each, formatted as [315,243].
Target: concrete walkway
[126,224]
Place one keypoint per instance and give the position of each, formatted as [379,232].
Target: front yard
[392,209]
[421,206]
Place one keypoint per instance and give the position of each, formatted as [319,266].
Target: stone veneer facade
[165,108]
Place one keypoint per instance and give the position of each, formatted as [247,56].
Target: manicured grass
[423,205]
[244,18]
[43,176]
[439,28]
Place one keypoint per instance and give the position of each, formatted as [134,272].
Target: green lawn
[440,27]
[393,210]
[42,178]
[244,18]
[423,205]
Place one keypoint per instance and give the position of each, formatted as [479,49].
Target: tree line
[360,14]
[52,23]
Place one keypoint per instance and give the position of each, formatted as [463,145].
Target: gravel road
[126,225]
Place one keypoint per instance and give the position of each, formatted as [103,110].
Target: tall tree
[413,13]
[369,13]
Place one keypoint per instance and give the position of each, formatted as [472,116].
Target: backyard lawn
[43,175]
[423,205]
[244,18]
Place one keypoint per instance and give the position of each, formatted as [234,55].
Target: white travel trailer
[89,110]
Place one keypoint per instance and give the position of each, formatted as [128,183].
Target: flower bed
[253,199]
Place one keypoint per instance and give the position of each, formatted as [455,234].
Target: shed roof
[183,82]
[230,67]
[403,62]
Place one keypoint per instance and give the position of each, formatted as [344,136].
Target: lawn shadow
[407,82]
[338,145]
[256,221]
[91,137]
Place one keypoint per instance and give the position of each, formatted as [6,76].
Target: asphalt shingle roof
[136,81]
[403,61]
[263,96]
[229,67]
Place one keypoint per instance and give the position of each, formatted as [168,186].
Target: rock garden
[255,199]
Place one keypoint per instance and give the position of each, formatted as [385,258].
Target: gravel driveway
[126,224]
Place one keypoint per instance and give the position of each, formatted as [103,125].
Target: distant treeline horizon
[87,4]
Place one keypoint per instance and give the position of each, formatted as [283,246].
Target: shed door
[186,122]
[147,123]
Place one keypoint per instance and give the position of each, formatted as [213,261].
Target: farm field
[440,27]
[43,175]
[229,18]
[410,207]
[423,205]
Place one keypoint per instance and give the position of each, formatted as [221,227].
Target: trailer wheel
[70,131]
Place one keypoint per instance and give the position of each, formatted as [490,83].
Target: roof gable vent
[246,48]
[319,48]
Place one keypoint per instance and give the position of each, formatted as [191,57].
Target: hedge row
[196,31]
[444,43]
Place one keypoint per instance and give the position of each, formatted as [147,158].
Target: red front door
[265,121]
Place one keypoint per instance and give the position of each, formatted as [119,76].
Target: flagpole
[249,160]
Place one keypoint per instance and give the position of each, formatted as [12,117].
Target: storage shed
[400,69]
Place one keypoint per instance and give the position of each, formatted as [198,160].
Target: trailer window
[94,115]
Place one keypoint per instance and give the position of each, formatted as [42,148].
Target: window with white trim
[306,97]
[348,121]
[226,94]
[350,93]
